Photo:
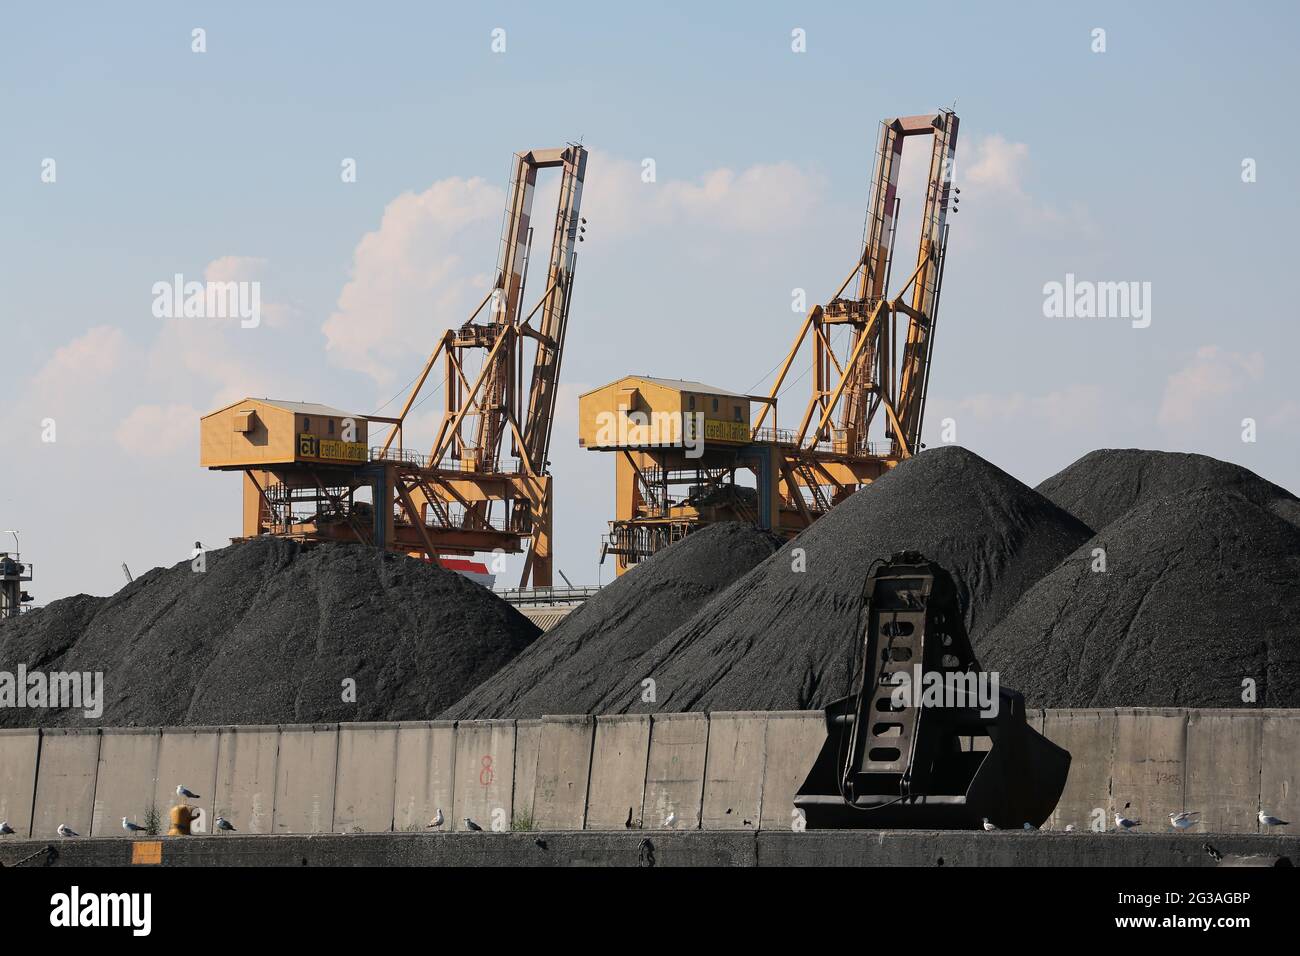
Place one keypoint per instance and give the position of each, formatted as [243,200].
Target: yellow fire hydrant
[181,817]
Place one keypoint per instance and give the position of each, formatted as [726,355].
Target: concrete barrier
[1223,770]
[367,775]
[528,744]
[618,768]
[793,740]
[563,770]
[711,848]
[125,779]
[485,770]
[1149,764]
[1089,735]
[674,780]
[246,765]
[426,756]
[19,750]
[304,779]
[187,756]
[1279,777]
[580,772]
[733,771]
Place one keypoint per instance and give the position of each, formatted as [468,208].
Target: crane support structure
[466,474]
[485,484]
[886,373]
[865,411]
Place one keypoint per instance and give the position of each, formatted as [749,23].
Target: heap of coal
[268,633]
[1196,604]
[586,656]
[784,636]
[1104,484]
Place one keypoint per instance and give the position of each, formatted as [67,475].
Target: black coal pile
[783,637]
[269,633]
[1198,602]
[1104,484]
[575,665]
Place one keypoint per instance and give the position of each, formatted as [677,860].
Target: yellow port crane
[864,415]
[303,464]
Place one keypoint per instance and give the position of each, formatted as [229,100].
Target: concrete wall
[528,744]
[485,774]
[1279,775]
[19,750]
[367,775]
[1223,769]
[716,772]
[563,769]
[733,771]
[1149,765]
[125,779]
[426,757]
[246,765]
[791,737]
[674,778]
[856,848]
[304,779]
[187,756]
[1089,735]
[618,767]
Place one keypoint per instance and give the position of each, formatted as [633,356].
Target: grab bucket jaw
[929,741]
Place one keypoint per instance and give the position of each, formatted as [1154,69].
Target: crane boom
[501,397]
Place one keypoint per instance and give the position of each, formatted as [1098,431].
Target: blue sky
[1115,166]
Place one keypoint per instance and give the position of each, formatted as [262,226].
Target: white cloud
[234,269]
[159,431]
[765,197]
[85,361]
[411,278]
[999,165]
[76,388]
[993,179]
[1212,376]
[1074,408]
[274,308]
[431,259]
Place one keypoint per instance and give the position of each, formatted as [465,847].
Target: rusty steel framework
[885,376]
[449,498]
[866,408]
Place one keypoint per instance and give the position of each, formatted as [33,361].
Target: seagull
[670,820]
[224,824]
[5,828]
[130,827]
[437,821]
[1124,823]
[183,791]
[1183,819]
[988,826]
[471,825]
[1069,828]
[1030,826]
[1268,820]
[67,831]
